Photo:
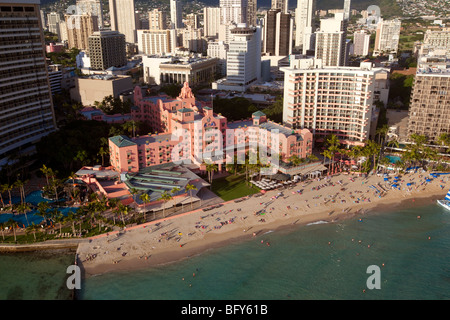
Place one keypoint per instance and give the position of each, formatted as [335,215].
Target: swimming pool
[393,159]
[33,198]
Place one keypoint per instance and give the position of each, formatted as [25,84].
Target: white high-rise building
[157,42]
[176,14]
[219,50]
[388,36]
[211,21]
[53,20]
[233,11]
[332,100]
[347,4]
[157,20]
[123,18]
[361,43]
[243,59]
[330,41]
[304,29]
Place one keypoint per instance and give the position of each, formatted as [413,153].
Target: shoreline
[145,250]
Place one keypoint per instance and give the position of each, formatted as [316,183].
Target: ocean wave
[317,222]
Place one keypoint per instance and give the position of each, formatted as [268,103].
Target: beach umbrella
[386,179]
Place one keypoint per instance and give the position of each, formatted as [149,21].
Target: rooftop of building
[162,178]
[122,141]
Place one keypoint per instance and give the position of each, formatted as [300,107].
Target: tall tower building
[211,21]
[252,8]
[387,37]
[326,100]
[277,33]
[347,4]
[233,11]
[244,55]
[123,18]
[157,20]
[331,41]
[157,42]
[92,7]
[429,110]
[53,20]
[107,49]
[79,28]
[304,28]
[176,14]
[361,43]
[26,107]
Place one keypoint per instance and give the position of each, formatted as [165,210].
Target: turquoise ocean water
[318,261]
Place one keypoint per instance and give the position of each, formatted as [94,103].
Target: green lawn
[233,187]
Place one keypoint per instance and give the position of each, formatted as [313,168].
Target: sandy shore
[183,236]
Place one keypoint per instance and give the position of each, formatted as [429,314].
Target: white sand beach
[182,236]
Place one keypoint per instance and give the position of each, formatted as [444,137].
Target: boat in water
[445,202]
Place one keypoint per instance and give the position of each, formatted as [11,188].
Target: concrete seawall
[47,245]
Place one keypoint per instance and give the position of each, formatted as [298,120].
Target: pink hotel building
[201,132]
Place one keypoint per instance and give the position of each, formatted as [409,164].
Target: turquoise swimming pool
[393,159]
[33,198]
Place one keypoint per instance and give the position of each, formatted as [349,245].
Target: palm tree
[46,171]
[384,162]
[123,210]
[165,196]
[102,152]
[42,208]
[211,167]
[23,208]
[9,188]
[3,188]
[189,187]
[328,154]
[2,227]
[112,204]
[393,143]
[372,149]
[32,228]
[58,217]
[146,199]
[444,140]
[71,218]
[382,132]
[134,191]
[295,160]
[19,184]
[333,143]
[13,224]
[174,191]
